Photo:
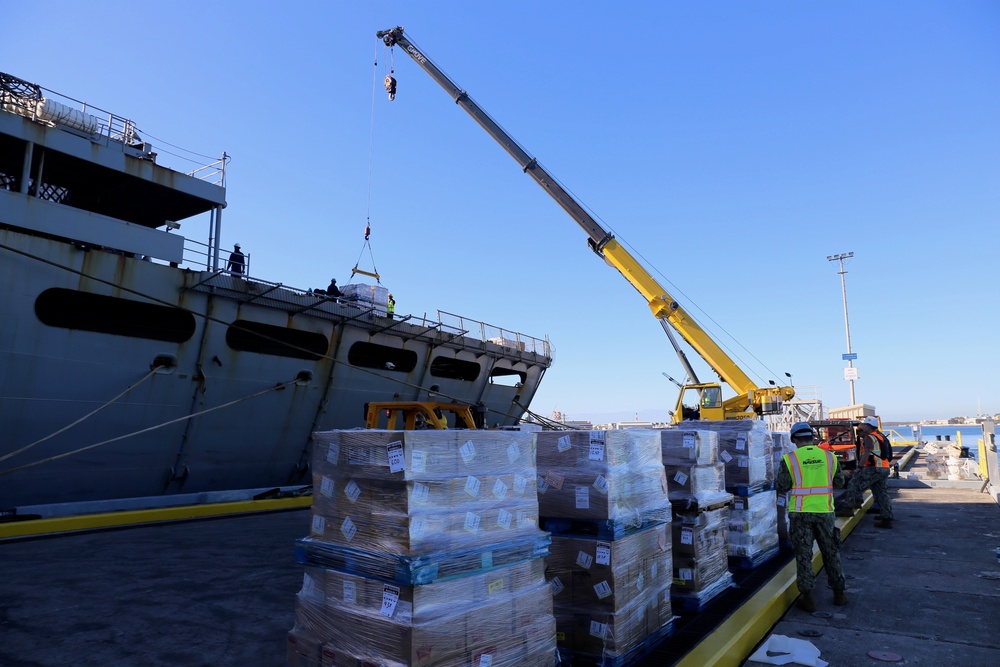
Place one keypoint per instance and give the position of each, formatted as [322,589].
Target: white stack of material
[753,528]
[424,550]
[746,448]
[612,476]
[366,294]
[695,477]
[701,563]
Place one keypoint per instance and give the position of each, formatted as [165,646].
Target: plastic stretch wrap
[405,492]
[681,446]
[700,486]
[365,293]
[607,635]
[746,447]
[693,598]
[503,617]
[694,574]
[781,500]
[588,574]
[601,475]
[701,534]
[753,524]
[423,568]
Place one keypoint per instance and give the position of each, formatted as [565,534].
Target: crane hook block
[390,86]
[368,231]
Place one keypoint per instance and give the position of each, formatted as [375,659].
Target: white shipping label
[318,524]
[468,451]
[598,436]
[564,444]
[504,518]
[485,660]
[687,536]
[688,440]
[601,484]
[557,586]
[472,521]
[741,442]
[725,456]
[418,460]
[524,519]
[542,486]
[350,592]
[353,491]
[309,586]
[598,629]
[782,501]
[744,462]
[602,589]
[396,461]
[390,598]
[687,574]
[421,492]
[472,485]
[500,489]
[583,497]
[513,452]
[584,560]
[327,486]
[348,529]
[680,478]
[604,553]
[596,451]
[520,483]
[738,504]
[333,453]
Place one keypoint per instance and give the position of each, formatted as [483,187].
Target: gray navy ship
[134,365]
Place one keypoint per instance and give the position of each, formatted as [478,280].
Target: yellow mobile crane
[750,400]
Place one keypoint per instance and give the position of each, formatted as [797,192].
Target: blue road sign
[849,356]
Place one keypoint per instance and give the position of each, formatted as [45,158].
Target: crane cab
[700,401]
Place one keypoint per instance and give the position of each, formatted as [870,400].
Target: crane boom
[750,398]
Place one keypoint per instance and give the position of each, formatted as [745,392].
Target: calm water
[971,434]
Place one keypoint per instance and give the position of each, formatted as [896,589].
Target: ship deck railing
[448,328]
[103,127]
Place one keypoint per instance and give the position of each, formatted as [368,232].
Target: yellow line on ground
[733,641]
[67,524]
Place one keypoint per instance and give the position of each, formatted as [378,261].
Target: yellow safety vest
[812,471]
[391,308]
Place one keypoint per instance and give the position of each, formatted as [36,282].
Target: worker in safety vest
[391,307]
[809,475]
[872,473]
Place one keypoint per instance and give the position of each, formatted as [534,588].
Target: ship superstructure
[132,364]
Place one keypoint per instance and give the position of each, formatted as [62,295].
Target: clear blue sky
[733,146]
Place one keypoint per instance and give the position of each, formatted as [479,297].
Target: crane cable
[371,161]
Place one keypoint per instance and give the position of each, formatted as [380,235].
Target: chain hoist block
[390,86]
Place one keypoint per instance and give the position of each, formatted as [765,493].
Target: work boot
[839,598]
[883,523]
[806,603]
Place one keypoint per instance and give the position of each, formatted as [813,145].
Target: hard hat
[801,430]
[870,421]
[236,245]
[390,296]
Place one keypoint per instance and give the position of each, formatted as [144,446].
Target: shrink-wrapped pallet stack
[782,443]
[747,449]
[697,489]
[424,550]
[603,494]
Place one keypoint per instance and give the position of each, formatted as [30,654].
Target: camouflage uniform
[804,527]
[870,477]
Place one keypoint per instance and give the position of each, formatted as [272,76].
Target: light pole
[851,373]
